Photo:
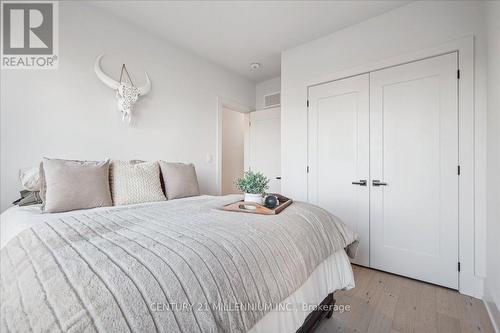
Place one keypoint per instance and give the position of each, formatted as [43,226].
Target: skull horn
[145,88]
[104,78]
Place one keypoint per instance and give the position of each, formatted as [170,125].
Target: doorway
[233,152]
[232,144]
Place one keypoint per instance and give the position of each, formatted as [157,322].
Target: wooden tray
[239,206]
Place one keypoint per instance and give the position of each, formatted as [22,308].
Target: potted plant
[254,185]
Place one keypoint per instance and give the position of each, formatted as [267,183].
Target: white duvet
[104,275]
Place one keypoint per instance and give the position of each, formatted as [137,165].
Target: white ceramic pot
[250,197]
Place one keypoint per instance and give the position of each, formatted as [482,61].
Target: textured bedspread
[181,265]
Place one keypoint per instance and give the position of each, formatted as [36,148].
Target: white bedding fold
[333,274]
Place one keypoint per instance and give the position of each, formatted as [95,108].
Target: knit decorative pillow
[135,182]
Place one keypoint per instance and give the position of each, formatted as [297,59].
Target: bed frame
[325,309]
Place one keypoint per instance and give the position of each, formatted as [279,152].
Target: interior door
[413,166]
[265,145]
[338,158]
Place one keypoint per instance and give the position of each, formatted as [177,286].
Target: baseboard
[494,314]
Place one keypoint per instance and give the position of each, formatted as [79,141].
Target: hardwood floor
[382,302]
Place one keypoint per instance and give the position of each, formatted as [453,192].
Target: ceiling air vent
[271,101]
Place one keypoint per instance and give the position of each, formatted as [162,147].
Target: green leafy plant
[252,182]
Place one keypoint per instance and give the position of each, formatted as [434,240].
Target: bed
[177,266]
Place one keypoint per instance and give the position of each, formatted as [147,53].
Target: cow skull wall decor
[126,93]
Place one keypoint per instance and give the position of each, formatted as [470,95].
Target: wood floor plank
[480,311]
[469,321]
[369,302]
[384,311]
[426,316]
[362,277]
[406,310]
[383,302]
[448,324]
[446,302]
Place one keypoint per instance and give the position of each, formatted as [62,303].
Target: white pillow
[30,178]
[135,182]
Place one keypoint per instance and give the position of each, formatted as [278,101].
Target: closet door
[413,165]
[338,121]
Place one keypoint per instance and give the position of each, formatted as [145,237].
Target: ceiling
[234,34]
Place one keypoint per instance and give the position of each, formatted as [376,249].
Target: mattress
[121,268]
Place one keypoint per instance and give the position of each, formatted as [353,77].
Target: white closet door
[338,122]
[265,145]
[414,149]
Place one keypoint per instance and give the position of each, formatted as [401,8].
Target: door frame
[224,102]
[471,127]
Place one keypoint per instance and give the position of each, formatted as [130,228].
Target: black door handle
[362,182]
[279,178]
[377,182]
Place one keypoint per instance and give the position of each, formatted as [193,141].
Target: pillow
[30,178]
[180,180]
[135,182]
[69,185]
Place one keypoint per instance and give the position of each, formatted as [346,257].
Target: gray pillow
[180,180]
[69,185]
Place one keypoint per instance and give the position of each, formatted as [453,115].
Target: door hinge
[307,169]
[458,74]
[458,266]
[249,124]
[458,170]
[307,103]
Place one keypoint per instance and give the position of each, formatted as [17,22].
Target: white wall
[268,87]
[414,27]
[69,113]
[233,130]
[492,290]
